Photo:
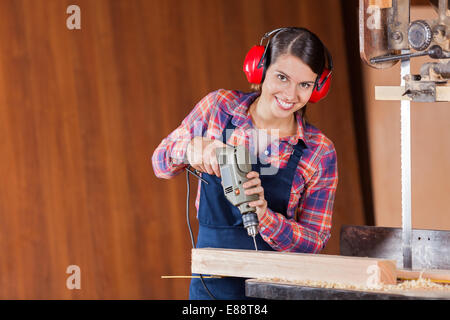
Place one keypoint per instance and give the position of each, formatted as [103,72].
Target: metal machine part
[419,35]
[434,71]
[405,150]
[427,38]
[442,7]
[235,164]
[421,91]
[385,30]
[431,248]
[422,87]
[397,24]
[373,32]
[434,52]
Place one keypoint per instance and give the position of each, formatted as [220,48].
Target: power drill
[235,164]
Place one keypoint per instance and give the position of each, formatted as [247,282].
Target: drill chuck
[250,221]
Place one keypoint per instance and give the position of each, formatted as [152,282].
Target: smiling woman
[295,203]
[287,88]
[295,57]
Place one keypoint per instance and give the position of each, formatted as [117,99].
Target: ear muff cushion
[321,89]
[252,67]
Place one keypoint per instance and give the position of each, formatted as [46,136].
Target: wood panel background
[81,112]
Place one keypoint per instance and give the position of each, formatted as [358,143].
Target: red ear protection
[321,87]
[255,67]
[254,64]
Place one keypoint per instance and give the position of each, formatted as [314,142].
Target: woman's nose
[290,92]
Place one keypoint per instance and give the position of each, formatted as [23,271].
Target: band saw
[388,37]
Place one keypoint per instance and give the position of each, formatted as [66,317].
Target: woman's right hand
[201,154]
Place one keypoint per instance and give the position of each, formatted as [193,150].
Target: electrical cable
[192,236]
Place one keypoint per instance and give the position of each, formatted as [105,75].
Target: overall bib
[220,223]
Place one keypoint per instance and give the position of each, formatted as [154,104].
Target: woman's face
[287,86]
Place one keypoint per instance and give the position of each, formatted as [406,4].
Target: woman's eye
[305,85]
[281,77]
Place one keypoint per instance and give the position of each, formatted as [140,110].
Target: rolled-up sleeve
[169,158]
[313,228]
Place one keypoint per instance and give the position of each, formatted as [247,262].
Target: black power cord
[190,231]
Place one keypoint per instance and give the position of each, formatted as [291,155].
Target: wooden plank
[395,93]
[288,266]
[435,275]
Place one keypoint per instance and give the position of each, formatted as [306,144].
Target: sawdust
[419,284]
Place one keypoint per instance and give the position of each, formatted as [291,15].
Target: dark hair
[301,43]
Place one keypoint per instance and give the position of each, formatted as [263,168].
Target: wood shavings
[317,284]
[419,284]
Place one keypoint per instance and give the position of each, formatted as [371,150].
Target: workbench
[431,250]
[255,288]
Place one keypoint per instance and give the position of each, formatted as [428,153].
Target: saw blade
[405,136]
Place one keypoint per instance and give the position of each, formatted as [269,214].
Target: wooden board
[435,275]
[287,266]
[396,93]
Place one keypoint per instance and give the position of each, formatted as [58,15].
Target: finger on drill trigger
[211,170]
[215,166]
[252,174]
[256,190]
[256,203]
[252,182]
[208,169]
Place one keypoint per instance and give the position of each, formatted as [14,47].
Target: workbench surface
[264,289]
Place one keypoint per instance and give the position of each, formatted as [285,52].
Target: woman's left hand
[253,186]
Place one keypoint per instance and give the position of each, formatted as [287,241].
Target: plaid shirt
[307,227]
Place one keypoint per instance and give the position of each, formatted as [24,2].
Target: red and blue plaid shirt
[307,227]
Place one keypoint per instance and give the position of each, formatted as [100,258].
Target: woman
[295,201]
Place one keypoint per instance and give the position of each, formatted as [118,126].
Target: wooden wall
[81,112]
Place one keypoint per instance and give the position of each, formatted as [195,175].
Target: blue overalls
[220,223]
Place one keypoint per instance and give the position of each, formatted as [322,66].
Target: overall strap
[228,128]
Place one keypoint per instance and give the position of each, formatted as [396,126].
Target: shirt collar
[300,130]
[241,118]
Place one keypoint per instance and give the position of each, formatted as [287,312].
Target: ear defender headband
[256,64]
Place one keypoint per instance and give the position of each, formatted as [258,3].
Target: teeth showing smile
[285,105]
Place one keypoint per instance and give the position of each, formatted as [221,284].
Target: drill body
[235,164]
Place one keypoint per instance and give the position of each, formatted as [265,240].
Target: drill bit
[254,241]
